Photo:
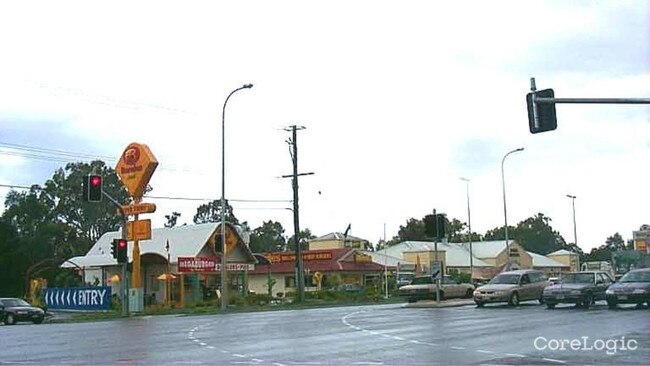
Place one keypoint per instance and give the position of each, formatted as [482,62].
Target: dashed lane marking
[554,360]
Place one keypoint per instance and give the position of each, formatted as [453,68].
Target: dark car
[13,310]
[632,288]
[580,288]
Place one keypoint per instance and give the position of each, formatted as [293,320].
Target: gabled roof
[456,254]
[542,261]
[337,236]
[562,252]
[184,241]
[489,249]
[384,259]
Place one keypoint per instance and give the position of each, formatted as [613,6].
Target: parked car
[424,287]
[512,287]
[632,288]
[13,310]
[580,288]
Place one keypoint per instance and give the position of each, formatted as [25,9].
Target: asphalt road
[364,335]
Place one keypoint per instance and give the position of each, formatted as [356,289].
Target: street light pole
[224,301]
[469,224]
[505,212]
[575,233]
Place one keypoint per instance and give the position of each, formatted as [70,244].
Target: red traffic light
[121,243]
[95,180]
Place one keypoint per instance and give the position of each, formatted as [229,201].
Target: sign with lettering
[135,168]
[78,298]
[138,230]
[237,267]
[138,208]
[196,264]
[291,257]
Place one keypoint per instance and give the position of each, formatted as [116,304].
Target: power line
[174,198]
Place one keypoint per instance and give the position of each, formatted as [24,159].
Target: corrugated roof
[561,252]
[489,249]
[542,261]
[341,260]
[336,236]
[184,241]
[456,254]
[383,259]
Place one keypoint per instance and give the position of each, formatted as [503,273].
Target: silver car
[512,287]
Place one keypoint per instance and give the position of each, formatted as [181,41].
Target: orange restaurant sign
[291,257]
[135,168]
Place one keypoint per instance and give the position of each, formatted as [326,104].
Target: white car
[424,287]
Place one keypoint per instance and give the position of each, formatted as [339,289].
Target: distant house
[548,265]
[570,259]
[338,266]
[336,241]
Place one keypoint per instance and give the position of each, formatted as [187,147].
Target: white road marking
[211,347]
[514,355]
[239,355]
[203,344]
[416,342]
[554,360]
[257,360]
[483,351]
[454,347]
[399,338]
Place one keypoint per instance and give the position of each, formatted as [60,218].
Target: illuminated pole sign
[135,168]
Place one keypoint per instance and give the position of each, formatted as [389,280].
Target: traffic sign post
[135,168]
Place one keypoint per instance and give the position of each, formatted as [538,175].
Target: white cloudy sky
[399,100]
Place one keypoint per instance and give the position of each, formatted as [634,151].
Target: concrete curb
[441,304]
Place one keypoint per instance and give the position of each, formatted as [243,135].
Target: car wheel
[9,319]
[38,320]
[611,304]
[550,305]
[442,295]
[469,293]
[541,299]
[514,299]
[587,301]
[479,304]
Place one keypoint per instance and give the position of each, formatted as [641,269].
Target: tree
[268,238]
[303,237]
[211,212]
[604,252]
[534,234]
[172,219]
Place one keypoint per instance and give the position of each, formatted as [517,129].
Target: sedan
[632,288]
[580,288]
[13,310]
[424,287]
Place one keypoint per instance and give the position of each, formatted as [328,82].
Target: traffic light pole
[545,100]
[125,283]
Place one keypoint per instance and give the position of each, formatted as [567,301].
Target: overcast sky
[399,99]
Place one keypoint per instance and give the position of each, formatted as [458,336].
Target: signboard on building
[291,257]
[78,298]
[206,264]
[196,264]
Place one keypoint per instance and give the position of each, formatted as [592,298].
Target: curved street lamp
[224,301]
[505,212]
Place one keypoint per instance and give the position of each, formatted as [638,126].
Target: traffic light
[114,248]
[547,120]
[122,251]
[92,188]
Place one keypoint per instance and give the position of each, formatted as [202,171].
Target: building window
[289,282]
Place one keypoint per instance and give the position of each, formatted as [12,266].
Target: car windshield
[641,276]
[578,278]
[505,279]
[14,302]
[421,281]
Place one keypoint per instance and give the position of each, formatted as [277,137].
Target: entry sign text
[78,298]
